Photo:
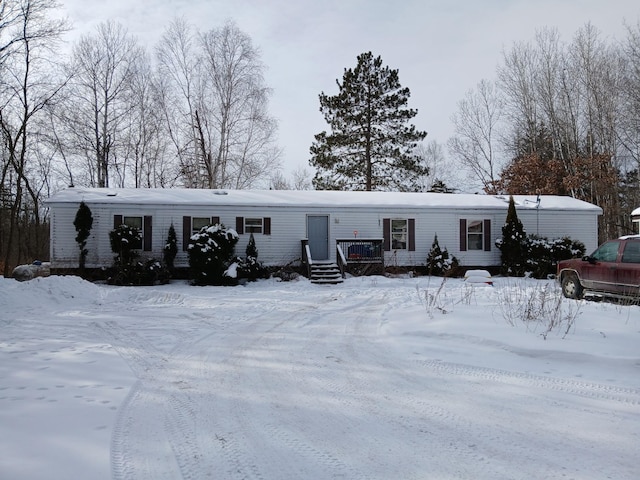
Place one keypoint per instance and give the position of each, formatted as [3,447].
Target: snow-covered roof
[316,198]
[636,213]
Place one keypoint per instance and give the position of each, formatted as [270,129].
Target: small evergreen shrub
[83,223]
[249,267]
[170,249]
[211,253]
[438,261]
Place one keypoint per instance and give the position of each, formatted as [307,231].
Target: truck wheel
[571,287]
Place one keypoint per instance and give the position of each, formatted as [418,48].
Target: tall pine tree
[513,244]
[371,145]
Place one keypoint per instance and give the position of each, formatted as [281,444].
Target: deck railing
[362,250]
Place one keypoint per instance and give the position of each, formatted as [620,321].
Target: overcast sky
[442,48]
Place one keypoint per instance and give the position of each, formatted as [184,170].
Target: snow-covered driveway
[296,381]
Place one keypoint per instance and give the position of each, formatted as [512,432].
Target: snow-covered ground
[376,378]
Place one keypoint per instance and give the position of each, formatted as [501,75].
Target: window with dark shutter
[267,225]
[117,221]
[240,225]
[215,220]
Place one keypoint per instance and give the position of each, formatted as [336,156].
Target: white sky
[441,49]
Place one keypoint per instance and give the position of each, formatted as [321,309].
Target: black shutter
[240,225]
[386,233]
[487,235]
[463,235]
[215,220]
[117,221]
[186,232]
[147,233]
[412,234]
[266,225]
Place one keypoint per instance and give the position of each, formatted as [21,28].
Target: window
[398,234]
[607,252]
[142,224]
[192,225]
[475,235]
[631,252]
[198,222]
[253,225]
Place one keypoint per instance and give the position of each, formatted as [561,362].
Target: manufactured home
[315,226]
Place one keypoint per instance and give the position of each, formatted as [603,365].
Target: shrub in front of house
[513,244]
[438,261]
[544,254]
[211,253]
[83,223]
[127,268]
[250,267]
[170,249]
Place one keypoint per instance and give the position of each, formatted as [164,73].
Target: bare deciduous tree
[28,82]
[103,66]
[474,144]
[215,105]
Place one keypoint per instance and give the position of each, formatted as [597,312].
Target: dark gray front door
[318,234]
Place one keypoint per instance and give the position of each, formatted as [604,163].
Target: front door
[318,235]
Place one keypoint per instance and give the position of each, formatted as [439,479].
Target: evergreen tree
[438,261]
[513,245]
[249,267]
[371,146]
[83,223]
[170,248]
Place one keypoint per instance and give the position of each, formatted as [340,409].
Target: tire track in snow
[459,438]
[166,407]
[573,387]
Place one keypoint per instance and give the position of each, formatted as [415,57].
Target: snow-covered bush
[211,253]
[127,269]
[438,260]
[544,254]
[123,240]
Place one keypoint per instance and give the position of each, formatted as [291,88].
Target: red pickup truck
[612,270]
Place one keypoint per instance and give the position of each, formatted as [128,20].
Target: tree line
[560,118]
[192,111]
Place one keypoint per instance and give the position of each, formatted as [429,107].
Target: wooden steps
[325,273]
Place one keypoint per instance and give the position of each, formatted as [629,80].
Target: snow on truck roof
[316,198]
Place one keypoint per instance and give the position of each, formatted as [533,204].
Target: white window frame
[399,234]
[204,220]
[253,224]
[476,234]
